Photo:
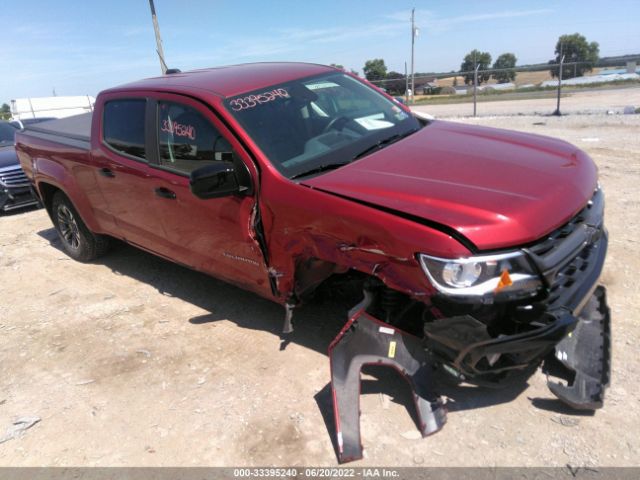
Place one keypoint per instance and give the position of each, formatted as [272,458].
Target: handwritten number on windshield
[252,101]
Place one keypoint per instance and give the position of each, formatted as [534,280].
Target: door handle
[106,172]
[165,193]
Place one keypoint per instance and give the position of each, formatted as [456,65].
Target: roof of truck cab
[230,80]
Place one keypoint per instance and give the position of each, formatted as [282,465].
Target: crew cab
[277,177]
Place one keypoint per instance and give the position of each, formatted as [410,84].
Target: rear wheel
[77,240]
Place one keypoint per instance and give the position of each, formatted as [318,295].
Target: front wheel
[77,240]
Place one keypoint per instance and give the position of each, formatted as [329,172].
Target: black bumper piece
[583,358]
[464,343]
[366,341]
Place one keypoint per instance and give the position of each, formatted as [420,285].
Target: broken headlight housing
[507,273]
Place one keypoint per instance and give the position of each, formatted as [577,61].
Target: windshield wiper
[383,143]
[321,168]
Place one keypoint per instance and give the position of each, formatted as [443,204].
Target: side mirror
[214,181]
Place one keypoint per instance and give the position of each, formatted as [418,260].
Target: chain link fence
[533,90]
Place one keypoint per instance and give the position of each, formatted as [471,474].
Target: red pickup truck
[487,244]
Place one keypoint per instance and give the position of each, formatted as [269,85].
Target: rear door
[213,235]
[124,175]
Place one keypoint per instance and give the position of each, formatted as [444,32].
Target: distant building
[427,88]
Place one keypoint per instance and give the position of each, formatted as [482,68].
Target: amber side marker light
[505,280]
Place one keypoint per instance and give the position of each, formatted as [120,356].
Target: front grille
[552,240]
[571,273]
[13,176]
[571,257]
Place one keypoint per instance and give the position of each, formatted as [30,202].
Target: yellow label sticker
[392,349]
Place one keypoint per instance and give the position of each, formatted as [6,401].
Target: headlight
[481,275]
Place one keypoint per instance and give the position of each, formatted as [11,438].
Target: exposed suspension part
[390,303]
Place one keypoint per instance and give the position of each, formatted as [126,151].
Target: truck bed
[74,131]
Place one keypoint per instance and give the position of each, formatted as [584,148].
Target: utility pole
[406,85]
[156,28]
[475,86]
[557,112]
[414,33]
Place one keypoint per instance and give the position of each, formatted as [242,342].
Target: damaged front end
[549,311]
[496,318]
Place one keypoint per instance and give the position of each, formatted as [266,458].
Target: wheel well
[47,191]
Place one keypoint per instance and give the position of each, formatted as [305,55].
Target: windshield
[314,124]
[7,133]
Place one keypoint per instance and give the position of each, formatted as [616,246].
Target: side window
[188,140]
[123,126]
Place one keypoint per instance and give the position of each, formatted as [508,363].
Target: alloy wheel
[68,227]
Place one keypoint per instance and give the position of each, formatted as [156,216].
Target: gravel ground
[135,361]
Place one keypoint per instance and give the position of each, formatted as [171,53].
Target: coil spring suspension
[389,303]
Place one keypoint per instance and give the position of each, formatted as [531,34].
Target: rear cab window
[123,127]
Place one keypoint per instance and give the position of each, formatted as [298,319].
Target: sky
[81,47]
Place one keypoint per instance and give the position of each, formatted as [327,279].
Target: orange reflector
[505,280]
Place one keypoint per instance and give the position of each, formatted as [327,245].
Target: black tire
[77,240]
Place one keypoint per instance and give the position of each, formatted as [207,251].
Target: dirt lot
[135,361]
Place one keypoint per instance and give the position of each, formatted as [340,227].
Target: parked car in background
[15,189]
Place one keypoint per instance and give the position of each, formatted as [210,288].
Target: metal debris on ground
[85,382]
[566,421]
[19,426]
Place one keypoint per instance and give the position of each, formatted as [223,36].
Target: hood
[8,156]
[498,188]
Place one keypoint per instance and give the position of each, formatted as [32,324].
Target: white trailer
[57,107]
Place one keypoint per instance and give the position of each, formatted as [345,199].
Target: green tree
[473,59]
[354,72]
[505,61]
[5,112]
[575,48]
[375,69]
[395,83]
[337,65]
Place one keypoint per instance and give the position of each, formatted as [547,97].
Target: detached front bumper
[583,358]
[569,329]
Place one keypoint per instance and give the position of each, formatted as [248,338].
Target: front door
[213,235]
